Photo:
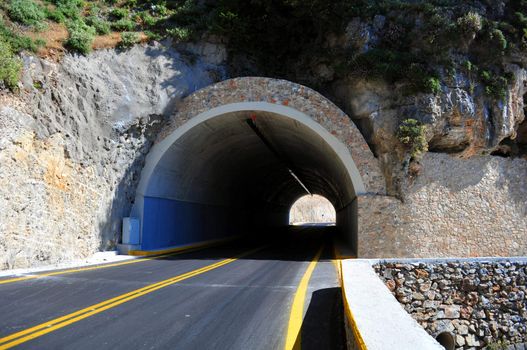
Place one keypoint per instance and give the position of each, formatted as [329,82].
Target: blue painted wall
[168,222]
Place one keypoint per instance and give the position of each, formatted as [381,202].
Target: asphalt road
[208,299]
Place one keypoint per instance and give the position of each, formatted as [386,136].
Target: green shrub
[26,12]
[469,66]
[147,19]
[55,15]
[496,85]
[470,23]
[411,133]
[101,26]
[123,25]
[71,9]
[40,42]
[498,38]
[10,66]
[432,85]
[160,9]
[180,34]
[15,41]
[152,35]
[93,10]
[120,13]
[129,39]
[81,36]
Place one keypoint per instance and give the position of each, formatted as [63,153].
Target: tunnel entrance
[237,155]
[312,210]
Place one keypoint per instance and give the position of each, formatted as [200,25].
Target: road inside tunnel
[239,295]
[238,169]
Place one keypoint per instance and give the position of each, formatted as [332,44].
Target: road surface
[242,295]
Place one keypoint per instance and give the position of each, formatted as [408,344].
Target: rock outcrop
[460,119]
[73,143]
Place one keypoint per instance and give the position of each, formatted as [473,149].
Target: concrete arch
[193,166]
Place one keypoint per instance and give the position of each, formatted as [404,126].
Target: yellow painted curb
[361,345]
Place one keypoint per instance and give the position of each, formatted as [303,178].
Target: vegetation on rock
[10,66]
[27,12]
[411,133]
[81,36]
[128,39]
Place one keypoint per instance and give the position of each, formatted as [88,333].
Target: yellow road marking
[177,249]
[52,325]
[181,250]
[293,338]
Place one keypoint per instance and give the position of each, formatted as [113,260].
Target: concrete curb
[374,319]
[96,259]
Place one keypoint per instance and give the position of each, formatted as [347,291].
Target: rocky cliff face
[458,122]
[461,117]
[73,142]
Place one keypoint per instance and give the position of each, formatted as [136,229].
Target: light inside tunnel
[220,178]
[312,209]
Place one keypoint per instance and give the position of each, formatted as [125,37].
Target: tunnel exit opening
[238,168]
[312,210]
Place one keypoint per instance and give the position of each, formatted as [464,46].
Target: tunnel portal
[237,155]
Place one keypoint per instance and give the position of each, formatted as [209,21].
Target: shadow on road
[296,243]
[323,326]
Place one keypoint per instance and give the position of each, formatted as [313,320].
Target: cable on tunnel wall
[288,164]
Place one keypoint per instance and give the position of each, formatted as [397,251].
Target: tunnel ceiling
[222,161]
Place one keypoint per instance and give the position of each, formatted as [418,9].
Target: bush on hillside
[81,36]
[10,66]
[470,23]
[26,12]
[71,9]
[123,24]
[129,39]
[101,26]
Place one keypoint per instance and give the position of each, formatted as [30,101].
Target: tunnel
[236,169]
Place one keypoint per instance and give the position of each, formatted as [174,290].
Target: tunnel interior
[241,171]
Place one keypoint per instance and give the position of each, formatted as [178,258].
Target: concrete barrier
[374,318]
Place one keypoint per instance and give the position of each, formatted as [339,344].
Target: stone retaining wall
[481,303]
[452,208]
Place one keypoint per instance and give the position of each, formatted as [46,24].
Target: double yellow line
[52,325]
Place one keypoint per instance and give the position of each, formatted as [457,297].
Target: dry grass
[112,40]
[54,36]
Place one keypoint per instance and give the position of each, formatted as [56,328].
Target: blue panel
[169,222]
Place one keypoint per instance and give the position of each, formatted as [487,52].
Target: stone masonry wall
[452,208]
[481,303]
